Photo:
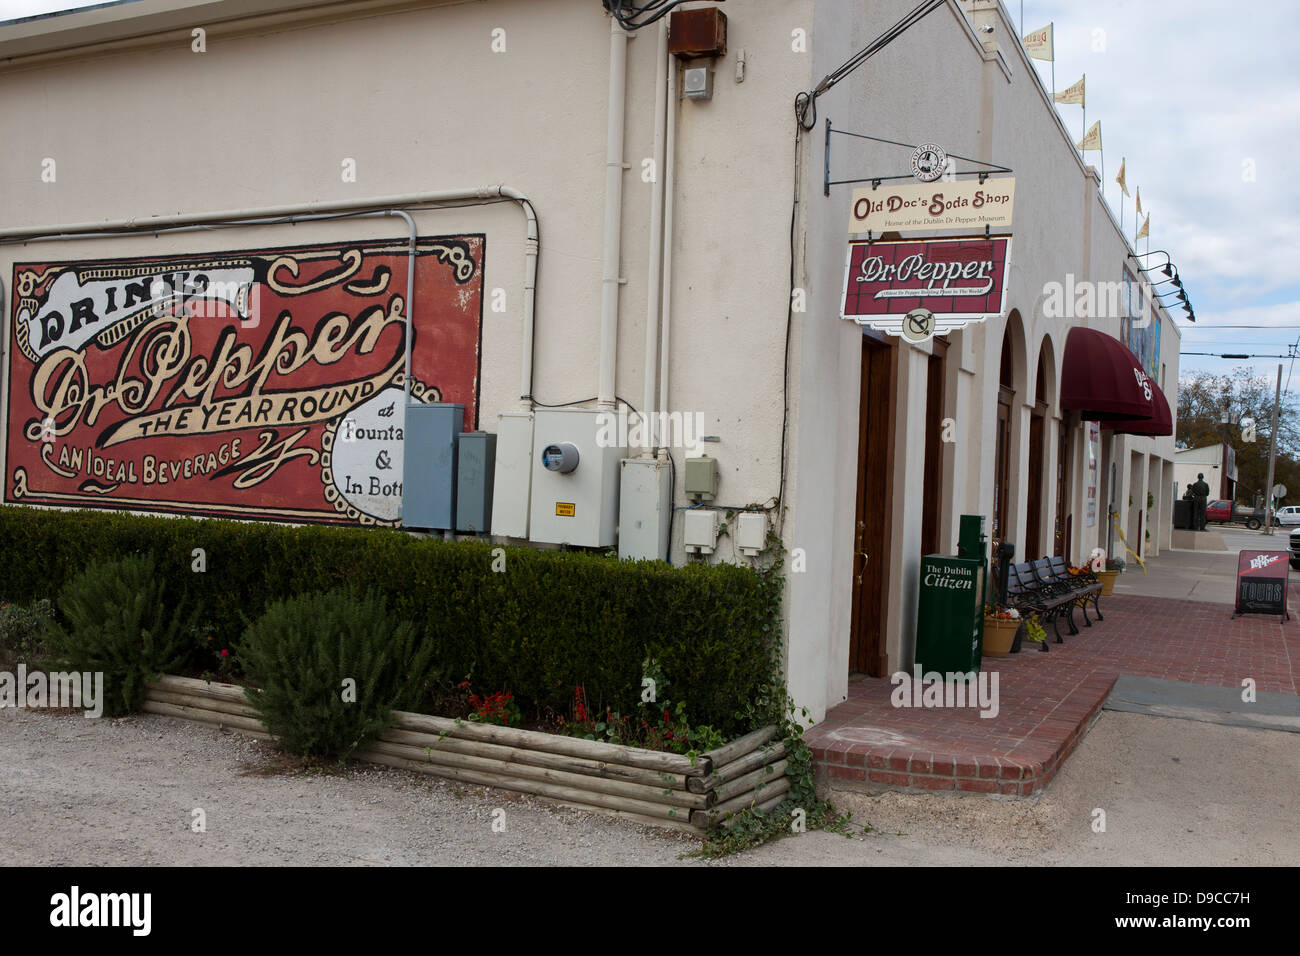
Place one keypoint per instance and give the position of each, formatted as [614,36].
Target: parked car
[1224,511]
[1287,516]
[1295,549]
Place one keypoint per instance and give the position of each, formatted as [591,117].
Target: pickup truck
[1224,511]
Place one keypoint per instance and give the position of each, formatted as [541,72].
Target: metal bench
[1086,585]
[1025,591]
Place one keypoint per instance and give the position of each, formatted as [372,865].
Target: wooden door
[1002,466]
[871,560]
[1060,543]
[933,474]
[1033,548]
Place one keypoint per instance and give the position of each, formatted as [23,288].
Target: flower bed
[648,786]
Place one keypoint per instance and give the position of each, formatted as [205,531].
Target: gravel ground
[122,792]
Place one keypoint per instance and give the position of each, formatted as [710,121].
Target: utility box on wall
[644,509]
[512,474]
[575,477]
[429,465]
[475,473]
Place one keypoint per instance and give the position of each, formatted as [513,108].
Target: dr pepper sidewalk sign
[1262,583]
[263,383]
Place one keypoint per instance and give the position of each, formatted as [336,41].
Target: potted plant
[1035,633]
[1000,626]
[1107,577]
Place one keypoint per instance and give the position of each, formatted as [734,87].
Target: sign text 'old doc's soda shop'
[264,383]
[933,207]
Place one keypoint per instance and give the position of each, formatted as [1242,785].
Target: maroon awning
[1102,380]
[1160,423]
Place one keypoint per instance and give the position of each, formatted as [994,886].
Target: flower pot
[999,635]
[1107,579]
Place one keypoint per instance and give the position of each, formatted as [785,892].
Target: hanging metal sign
[892,286]
[965,205]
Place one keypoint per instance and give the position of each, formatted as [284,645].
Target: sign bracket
[827,182]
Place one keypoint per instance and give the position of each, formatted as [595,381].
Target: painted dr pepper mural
[260,384]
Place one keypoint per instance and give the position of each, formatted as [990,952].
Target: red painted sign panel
[263,383]
[953,278]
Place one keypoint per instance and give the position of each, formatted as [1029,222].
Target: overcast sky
[17,9]
[1203,103]
[1194,94]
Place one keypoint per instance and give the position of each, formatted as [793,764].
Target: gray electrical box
[702,478]
[429,465]
[475,467]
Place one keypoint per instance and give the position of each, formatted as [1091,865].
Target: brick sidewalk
[1048,701]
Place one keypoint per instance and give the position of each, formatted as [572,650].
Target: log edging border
[647,786]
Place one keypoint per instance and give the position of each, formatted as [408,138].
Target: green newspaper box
[950,608]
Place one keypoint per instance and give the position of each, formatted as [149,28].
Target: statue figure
[1200,498]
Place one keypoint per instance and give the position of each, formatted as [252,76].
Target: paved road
[102,792]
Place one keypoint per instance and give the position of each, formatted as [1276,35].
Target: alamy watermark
[951,689]
[73,690]
[671,430]
[1102,300]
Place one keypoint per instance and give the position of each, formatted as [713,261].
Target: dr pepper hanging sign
[263,383]
[957,281]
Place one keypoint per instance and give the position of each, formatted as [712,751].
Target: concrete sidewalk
[1047,702]
[1208,576]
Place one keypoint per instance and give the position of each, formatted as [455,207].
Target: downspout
[613,212]
[653,298]
[666,295]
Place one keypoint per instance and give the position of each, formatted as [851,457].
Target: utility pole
[1272,457]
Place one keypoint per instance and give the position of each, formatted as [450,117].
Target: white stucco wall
[417,97]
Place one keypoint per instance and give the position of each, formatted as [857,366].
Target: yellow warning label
[564,509]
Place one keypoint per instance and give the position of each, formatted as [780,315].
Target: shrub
[550,622]
[120,622]
[22,631]
[304,651]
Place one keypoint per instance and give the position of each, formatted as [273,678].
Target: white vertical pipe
[666,296]
[613,211]
[530,295]
[653,287]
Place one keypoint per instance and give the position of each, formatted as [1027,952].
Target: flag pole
[1022,32]
[1084,135]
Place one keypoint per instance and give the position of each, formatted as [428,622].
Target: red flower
[225,653]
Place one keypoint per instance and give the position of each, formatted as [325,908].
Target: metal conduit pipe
[613,212]
[305,212]
[653,289]
[666,296]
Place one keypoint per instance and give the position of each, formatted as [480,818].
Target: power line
[1230,355]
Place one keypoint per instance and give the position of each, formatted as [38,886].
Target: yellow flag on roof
[1073,95]
[1039,44]
[1093,138]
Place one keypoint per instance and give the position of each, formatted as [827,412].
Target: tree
[1205,400]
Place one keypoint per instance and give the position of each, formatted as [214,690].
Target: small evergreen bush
[119,622]
[22,631]
[303,652]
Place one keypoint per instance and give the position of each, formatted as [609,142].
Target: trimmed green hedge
[547,623]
